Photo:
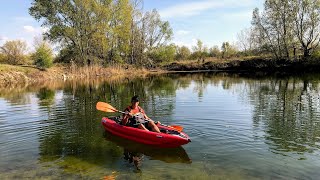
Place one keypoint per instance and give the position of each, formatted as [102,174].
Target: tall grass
[110,71]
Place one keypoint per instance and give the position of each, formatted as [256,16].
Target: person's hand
[128,114]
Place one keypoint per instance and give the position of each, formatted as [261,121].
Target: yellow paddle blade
[102,106]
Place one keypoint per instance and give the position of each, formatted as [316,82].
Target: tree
[148,34]
[102,31]
[120,33]
[81,25]
[14,52]
[156,32]
[183,53]
[215,52]
[246,40]
[228,50]
[43,57]
[284,23]
[199,52]
[307,24]
[275,26]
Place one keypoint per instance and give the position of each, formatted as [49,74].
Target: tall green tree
[156,32]
[120,33]
[275,26]
[79,24]
[149,33]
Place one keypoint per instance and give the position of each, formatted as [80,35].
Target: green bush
[163,54]
[316,55]
[43,57]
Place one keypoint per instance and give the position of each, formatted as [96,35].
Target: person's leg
[141,126]
[153,126]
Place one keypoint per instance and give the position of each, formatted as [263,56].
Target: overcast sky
[212,21]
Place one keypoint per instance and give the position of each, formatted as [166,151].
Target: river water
[241,127]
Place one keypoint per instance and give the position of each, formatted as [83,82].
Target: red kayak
[168,138]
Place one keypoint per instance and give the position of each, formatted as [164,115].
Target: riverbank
[255,65]
[24,75]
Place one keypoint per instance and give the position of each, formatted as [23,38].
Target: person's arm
[146,117]
[126,117]
[124,120]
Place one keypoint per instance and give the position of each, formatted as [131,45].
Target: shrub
[43,57]
[163,54]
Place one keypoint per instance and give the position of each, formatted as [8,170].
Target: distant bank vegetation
[111,32]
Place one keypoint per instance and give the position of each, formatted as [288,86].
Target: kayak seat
[117,119]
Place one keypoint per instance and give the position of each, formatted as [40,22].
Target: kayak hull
[146,137]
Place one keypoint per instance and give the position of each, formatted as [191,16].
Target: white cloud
[194,8]
[35,30]
[3,38]
[29,29]
[182,32]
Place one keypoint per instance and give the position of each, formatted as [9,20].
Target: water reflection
[134,153]
[289,112]
[234,121]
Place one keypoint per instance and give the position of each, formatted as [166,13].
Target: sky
[211,21]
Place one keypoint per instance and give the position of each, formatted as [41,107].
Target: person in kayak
[136,117]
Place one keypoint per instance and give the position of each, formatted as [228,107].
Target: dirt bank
[252,65]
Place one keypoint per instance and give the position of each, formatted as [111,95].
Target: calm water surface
[241,128]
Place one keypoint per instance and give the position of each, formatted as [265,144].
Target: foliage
[228,50]
[316,55]
[108,31]
[43,56]
[215,52]
[163,54]
[66,55]
[283,24]
[14,52]
[199,51]
[157,32]
[183,53]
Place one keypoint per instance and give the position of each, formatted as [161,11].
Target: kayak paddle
[105,107]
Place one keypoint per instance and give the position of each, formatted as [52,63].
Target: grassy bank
[21,75]
[253,65]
